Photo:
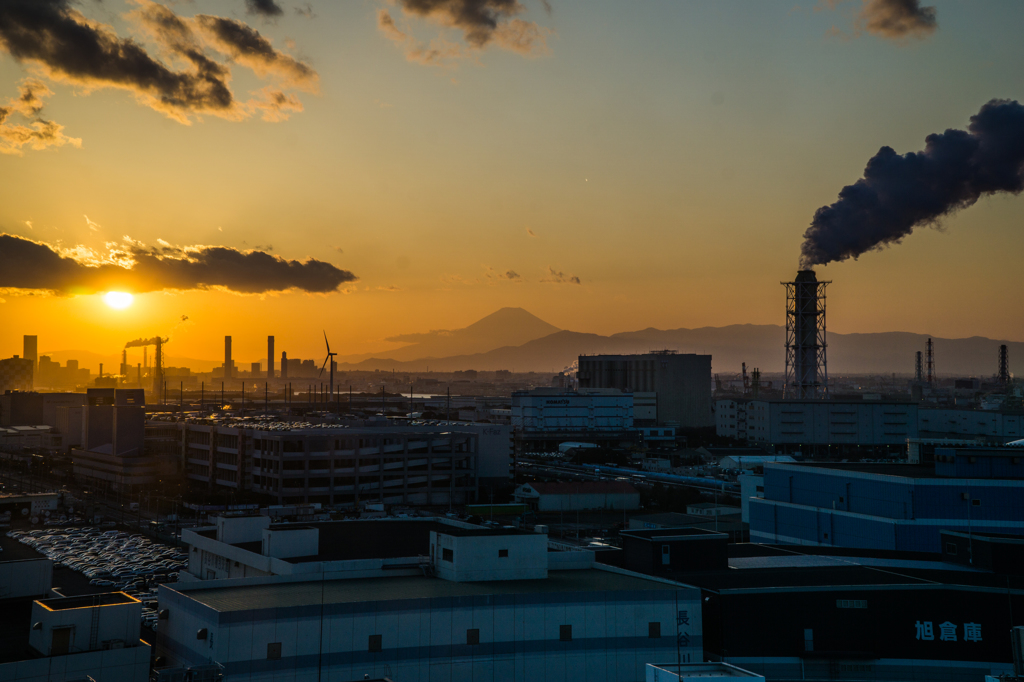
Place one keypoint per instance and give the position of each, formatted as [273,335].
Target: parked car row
[113,559]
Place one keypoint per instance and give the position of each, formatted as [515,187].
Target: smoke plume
[146,342]
[131,266]
[900,193]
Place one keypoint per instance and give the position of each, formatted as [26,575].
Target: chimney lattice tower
[806,361]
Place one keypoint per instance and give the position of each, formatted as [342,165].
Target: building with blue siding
[891,507]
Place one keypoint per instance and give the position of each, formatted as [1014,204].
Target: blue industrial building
[891,506]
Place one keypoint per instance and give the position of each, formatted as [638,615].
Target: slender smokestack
[806,364]
[228,364]
[270,357]
[284,365]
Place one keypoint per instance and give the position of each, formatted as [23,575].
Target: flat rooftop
[286,595]
[88,600]
[905,470]
[370,539]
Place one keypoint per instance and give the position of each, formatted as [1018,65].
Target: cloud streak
[557,277]
[898,18]
[481,22]
[265,8]
[38,134]
[66,46]
[132,266]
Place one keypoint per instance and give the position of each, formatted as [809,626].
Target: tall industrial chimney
[806,364]
[1004,366]
[284,365]
[929,359]
[918,368]
[270,357]
[228,364]
[158,370]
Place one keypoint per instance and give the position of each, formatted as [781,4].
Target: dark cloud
[898,18]
[481,22]
[131,266]
[66,46]
[37,134]
[266,8]
[557,277]
[305,11]
[900,193]
[247,47]
[512,274]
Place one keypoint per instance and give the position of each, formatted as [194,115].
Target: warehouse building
[818,422]
[386,464]
[554,497]
[681,382]
[891,506]
[487,605]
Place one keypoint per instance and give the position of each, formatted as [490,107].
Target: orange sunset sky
[608,166]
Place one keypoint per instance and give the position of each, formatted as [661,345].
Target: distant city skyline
[608,167]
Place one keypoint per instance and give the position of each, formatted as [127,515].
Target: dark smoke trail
[899,193]
[145,342]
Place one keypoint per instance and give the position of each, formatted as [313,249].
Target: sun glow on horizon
[118,299]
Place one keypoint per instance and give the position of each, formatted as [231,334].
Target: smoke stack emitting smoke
[899,193]
[145,342]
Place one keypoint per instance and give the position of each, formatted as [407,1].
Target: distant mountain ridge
[760,346]
[514,339]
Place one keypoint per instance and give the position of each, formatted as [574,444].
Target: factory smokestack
[900,193]
[1003,373]
[806,364]
[228,364]
[270,357]
[284,365]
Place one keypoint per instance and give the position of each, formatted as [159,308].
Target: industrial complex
[621,520]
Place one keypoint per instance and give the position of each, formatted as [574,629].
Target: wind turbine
[330,357]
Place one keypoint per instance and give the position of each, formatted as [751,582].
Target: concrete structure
[25,578]
[554,497]
[380,464]
[70,423]
[747,462]
[229,364]
[992,426]
[552,411]
[16,374]
[698,672]
[28,408]
[889,507]
[47,638]
[681,381]
[30,350]
[600,624]
[825,614]
[818,422]
[113,449]
[672,550]
[468,554]
[270,357]
[751,485]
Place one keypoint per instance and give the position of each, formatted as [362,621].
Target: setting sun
[118,299]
